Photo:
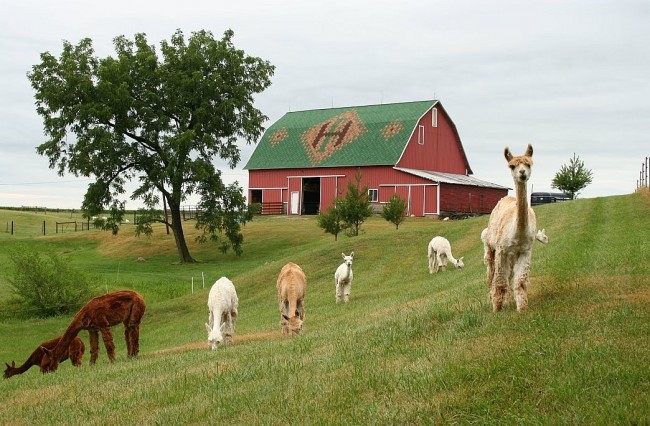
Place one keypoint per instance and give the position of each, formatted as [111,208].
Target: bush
[394,210]
[47,286]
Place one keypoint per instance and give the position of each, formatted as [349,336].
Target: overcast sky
[566,76]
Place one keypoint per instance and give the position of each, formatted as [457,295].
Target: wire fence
[644,181]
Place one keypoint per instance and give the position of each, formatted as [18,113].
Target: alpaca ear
[46,350]
[285,317]
[529,150]
[507,154]
[343,255]
[352,254]
[543,230]
[207,328]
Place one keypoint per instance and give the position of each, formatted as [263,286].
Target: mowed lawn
[409,347]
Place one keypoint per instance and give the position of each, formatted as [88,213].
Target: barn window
[434,117]
[373,195]
[256,196]
[421,135]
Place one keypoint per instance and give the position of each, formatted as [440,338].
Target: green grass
[409,348]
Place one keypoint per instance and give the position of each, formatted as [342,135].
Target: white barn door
[295,196]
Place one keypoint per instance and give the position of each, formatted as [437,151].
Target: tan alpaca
[291,286]
[510,237]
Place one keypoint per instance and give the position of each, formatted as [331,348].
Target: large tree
[156,120]
[572,178]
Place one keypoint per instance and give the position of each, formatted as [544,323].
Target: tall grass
[409,348]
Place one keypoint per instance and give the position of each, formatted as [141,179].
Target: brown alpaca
[291,287]
[510,236]
[97,316]
[75,353]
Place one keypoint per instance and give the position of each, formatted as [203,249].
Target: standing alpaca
[540,236]
[291,286]
[510,237]
[439,251]
[75,353]
[343,278]
[222,303]
[97,316]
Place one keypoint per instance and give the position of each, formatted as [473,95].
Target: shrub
[394,210]
[47,286]
[331,222]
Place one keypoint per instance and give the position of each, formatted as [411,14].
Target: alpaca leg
[489,259]
[520,282]
[443,262]
[76,353]
[93,337]
[499,285]
[132,326]
[107,336]
[300,307]
[346,292]
[339,292]
[431,263]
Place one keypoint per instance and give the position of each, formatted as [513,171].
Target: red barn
[306,159]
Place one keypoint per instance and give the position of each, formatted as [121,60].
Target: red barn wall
[441,149]
[469,199]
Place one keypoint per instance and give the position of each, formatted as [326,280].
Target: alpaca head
[215,336]
[348,259]
[49,362]
[520,166]
[9,370]
[291,326]
[459,263]
[541,236]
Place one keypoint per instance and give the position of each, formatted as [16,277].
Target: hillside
[409,348]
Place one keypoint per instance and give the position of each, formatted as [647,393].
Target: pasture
[409,347]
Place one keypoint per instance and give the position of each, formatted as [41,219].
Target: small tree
[355,206]
[331,221]
[47,286]
[572,178]
[394,210]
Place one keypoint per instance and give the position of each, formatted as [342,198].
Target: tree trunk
[179,236]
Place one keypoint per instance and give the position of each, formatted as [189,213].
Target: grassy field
[409,348]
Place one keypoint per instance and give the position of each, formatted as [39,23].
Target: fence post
[43,227]
[12,227]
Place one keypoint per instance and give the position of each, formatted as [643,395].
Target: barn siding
[469,199]
[441,150]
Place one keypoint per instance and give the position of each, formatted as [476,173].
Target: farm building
[306,159]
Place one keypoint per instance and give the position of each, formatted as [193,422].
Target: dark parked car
[537,198]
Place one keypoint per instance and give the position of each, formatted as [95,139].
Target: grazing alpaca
[510,237]
[291,285]
[343,278]
[541,236]
[222,303]
[439,251]
[75,353]
[96,316]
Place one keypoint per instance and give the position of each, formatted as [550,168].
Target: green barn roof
[369,135]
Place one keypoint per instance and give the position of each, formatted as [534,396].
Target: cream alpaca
[439,252]
[510,237]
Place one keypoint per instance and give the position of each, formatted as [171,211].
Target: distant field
[409,348]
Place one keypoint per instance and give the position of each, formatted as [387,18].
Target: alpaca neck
[20,370]
[67,338]
[522,206]
[348,270]
[451,258]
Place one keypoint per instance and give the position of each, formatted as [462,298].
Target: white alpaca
[223,304]
[510,237]
[343,278]
[541,236]
[439,252]
[291,285]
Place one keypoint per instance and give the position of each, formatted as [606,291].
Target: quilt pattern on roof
[354,136]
